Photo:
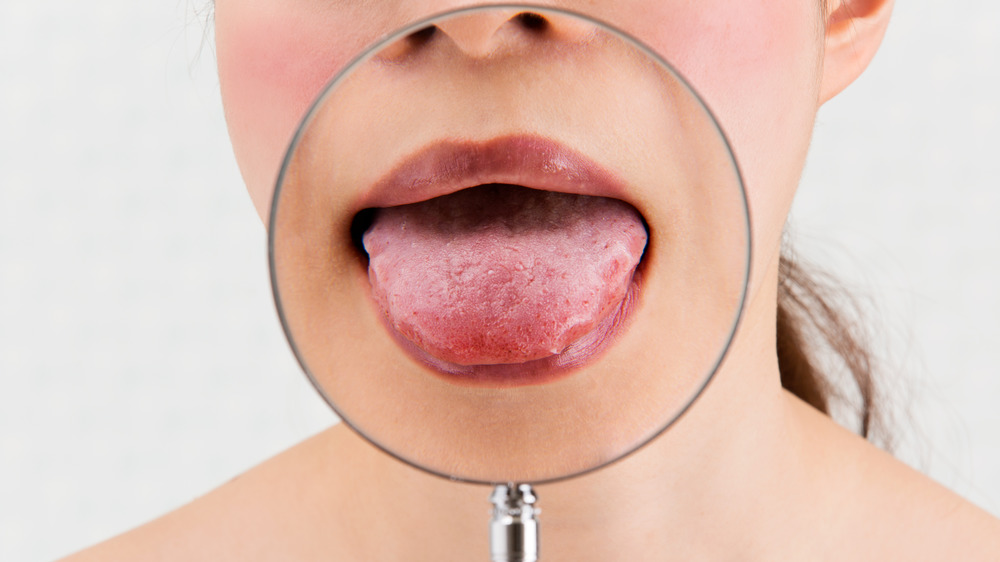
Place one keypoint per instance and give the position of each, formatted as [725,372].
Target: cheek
[757,64]
[272,63]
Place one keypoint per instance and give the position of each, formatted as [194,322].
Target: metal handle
[514,528]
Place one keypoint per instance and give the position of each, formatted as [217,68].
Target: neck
[672,496]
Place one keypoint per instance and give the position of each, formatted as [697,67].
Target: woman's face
[507,91]
[757,64]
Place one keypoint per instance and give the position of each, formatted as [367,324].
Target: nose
[483,33]
[479,34]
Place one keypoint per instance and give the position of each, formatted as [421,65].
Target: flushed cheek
[272,64]
[757,64]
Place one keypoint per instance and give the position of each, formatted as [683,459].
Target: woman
[752,472]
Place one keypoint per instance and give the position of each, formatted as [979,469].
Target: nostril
[422,35]
[532,21]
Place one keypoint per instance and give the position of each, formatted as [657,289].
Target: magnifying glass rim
[367,54]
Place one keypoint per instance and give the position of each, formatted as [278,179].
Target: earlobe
[854,31]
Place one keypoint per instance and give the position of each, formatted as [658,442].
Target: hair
[820,330]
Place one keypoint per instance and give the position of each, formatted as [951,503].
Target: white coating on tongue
[502,274]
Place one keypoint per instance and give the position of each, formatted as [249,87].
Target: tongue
[501,274]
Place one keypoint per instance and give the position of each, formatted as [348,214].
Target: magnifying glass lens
[509,245]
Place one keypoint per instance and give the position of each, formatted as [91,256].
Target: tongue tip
[478,371]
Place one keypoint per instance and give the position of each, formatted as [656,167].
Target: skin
[750,473]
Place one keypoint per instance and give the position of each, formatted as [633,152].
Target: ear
[854,31]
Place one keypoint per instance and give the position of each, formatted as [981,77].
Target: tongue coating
[501,274]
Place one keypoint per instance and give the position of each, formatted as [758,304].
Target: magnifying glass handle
[514,528]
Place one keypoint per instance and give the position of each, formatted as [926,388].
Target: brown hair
[820,335]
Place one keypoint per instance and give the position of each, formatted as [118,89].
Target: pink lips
[531,161]
[528,161]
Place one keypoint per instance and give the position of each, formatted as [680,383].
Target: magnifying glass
[509,245]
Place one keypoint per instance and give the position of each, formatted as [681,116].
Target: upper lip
[530,161]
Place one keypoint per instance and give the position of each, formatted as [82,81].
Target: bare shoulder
[882,509]
[271,512]
[909,512]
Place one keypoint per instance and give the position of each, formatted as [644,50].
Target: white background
[141,363]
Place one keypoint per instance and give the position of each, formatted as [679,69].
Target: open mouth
[511,281]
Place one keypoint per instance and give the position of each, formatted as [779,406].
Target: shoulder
[878,508]
[271,512]
[905,511]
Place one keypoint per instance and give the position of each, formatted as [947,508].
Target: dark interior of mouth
[359,225]
[500,274]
